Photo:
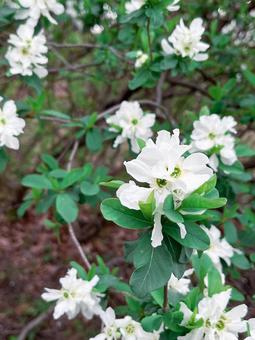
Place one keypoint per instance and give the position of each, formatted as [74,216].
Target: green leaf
[81,271]
[236,295]
[152,322]
[250,77]
[3,159]
[114,184]
[72,177]
[195,201]
[215,285]
[148,207]
[154,274]
[207,186]
[66,207]
[112,210]
[56,114]
[169,211]
[36,181]
[50,161]
[94,140]
[230,232]
[141,77]
[196,237]
[240,261]
[89,189]
[243,150]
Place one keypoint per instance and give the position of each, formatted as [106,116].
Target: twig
[73,67]
[70,227]
[166,305]
[34,323]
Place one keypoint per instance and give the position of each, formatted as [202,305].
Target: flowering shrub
[189,201]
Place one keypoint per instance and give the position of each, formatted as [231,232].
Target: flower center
[161,182]
[2,121]
[66,295]
[130,329]
[25,51]
[176,173]
[208,323]
[134,121]
[211,135]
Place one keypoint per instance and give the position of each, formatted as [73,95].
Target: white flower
[75,296]
[75,10]
[10,125]
[111,330]
[97,29]
[34,9]
[141,58]
[134,5]
[251,328]
[131,122]
[219,248]
[162,166]
[212,133]
[132,330]
[109,14]
[217,324]
[26,55]
[181,285]
[186,41]
[174,7]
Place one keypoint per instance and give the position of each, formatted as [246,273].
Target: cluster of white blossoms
[186,41]
[217,323]
[213,134]
[135,5]
[11,125]
[26,53]
[219,248]
[163,167]
[75,296]
[131,123]
[182,285]
[122,329]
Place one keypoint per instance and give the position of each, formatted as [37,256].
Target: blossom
[97,29]
[109,13]
[26,55]
[141,58]
[219,248]
[10,125]
[131,122]
[110,330]
[162,166]
[132,330]
[217,323]
[34,9]
[180,285]
[214,134]
[75,10]
[134,5]
[251,329]
[186,41]
[75,296]
[173,7]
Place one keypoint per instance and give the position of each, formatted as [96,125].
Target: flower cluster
[164,168]
[134,5]
[10,125]
[125,329]
[132,124]
[213,134]
[181,285]
[26,53]
[75,296]
[186,41]
[217,323]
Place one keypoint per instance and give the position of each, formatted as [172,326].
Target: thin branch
[166,304]
[73,67]
[34,323]
[70,227]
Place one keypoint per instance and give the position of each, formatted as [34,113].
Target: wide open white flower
[132,330]
[163,168]
[217,323]
[174,6]
[214,134]
[133,5]
[110,330]
[219,248]
[75,296]
[251,328]
[34,9]
[131,122]
[26,53]
[180,285]
[186,41]
[10,125]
